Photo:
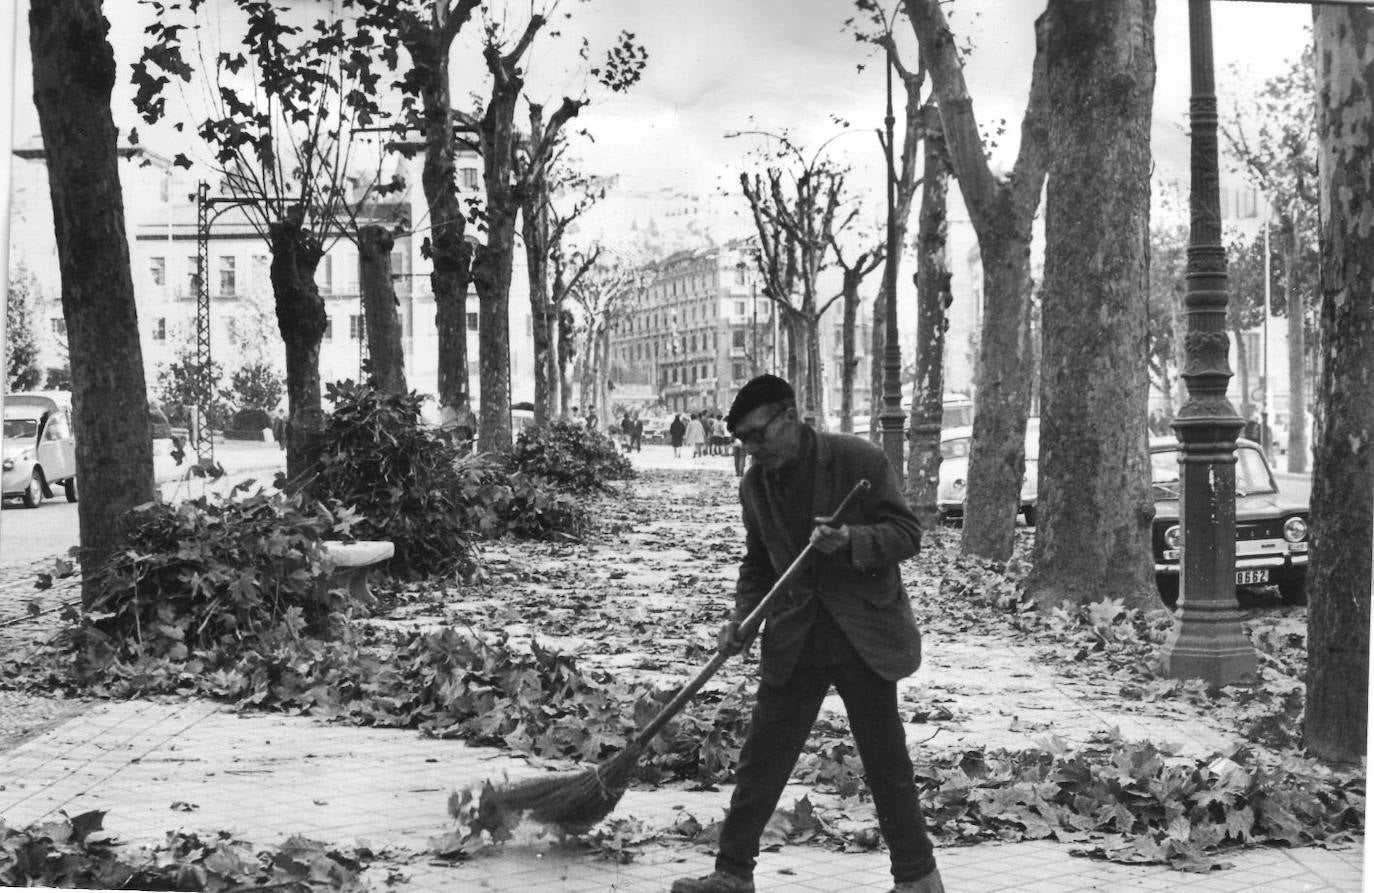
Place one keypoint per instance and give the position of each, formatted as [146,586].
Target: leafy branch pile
[208,574]
[1129,802]
[573,457]
[410,486]
[1126,802]
[77,852]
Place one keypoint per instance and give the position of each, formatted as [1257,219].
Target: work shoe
[931,883]
[715,882]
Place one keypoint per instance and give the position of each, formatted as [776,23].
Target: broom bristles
[573,803]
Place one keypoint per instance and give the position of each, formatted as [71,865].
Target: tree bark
[1342,514]
[534,226]
[449,250]
[301,319]
[567,341]
[1092,539]
[933,298]
[1001,213]
[384,348]
[73,75]
[1297,356]
[852,278]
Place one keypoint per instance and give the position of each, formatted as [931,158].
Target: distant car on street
[39,449]
[1271,528]
[955,446]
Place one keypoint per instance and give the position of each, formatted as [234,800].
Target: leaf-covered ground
[560,651]
[643,597]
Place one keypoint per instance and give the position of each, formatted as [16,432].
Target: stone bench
[351,563]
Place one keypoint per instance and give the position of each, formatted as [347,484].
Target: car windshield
[1252,475]
[956,448]
[21,429]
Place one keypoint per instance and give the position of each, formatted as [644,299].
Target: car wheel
[1293,591]
[1030,515]
[1167,584]
[69,487]
[33,493]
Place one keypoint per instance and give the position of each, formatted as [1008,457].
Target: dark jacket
[861,587]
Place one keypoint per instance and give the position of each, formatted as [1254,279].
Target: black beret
[760,390]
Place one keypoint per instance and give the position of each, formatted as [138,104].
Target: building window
[328,328]
[737,339]
[164,189]
[192,271]
[157,267]
[472,322]
[739,274]
[470,178]
[325,274]
[160,329]
[262,273]
[355,327]
[59,326]
[227,277]
[739,308]
[739,372]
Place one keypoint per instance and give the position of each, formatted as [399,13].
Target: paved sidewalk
[162,766]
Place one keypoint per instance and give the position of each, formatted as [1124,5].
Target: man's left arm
[888,533]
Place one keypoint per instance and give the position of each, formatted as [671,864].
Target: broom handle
[747,628]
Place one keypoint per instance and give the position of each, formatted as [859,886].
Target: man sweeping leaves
[844,621]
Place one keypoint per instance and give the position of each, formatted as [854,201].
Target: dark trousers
[782,720]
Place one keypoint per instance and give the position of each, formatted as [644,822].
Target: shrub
[251,420]
[572,457]
[399,477]
[204,574]
[256,386]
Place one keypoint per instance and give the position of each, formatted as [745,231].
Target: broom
[575,803]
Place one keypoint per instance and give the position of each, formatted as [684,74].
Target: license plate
[1250,578]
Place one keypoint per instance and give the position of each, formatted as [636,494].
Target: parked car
[39,449]
[955,444]
[1271,528]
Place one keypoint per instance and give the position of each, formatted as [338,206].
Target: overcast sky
[717,66]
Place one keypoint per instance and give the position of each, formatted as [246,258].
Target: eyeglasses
[757,435]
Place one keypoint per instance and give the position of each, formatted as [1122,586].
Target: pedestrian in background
[279,427]
[637,434]
[695,435]
[845,622]
[677,433]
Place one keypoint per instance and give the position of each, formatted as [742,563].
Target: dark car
[1271,528]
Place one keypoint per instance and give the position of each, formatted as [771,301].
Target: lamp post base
[1209,642]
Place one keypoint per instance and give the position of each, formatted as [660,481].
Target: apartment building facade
[699,327]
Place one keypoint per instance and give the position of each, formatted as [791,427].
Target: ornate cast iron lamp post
[1208,642]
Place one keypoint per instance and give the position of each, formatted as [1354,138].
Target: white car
[955,445]
[39,450]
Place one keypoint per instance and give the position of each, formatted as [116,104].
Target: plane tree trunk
[1342,514]
[384,348]
[73,76]
[932,301]
[1092,539]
